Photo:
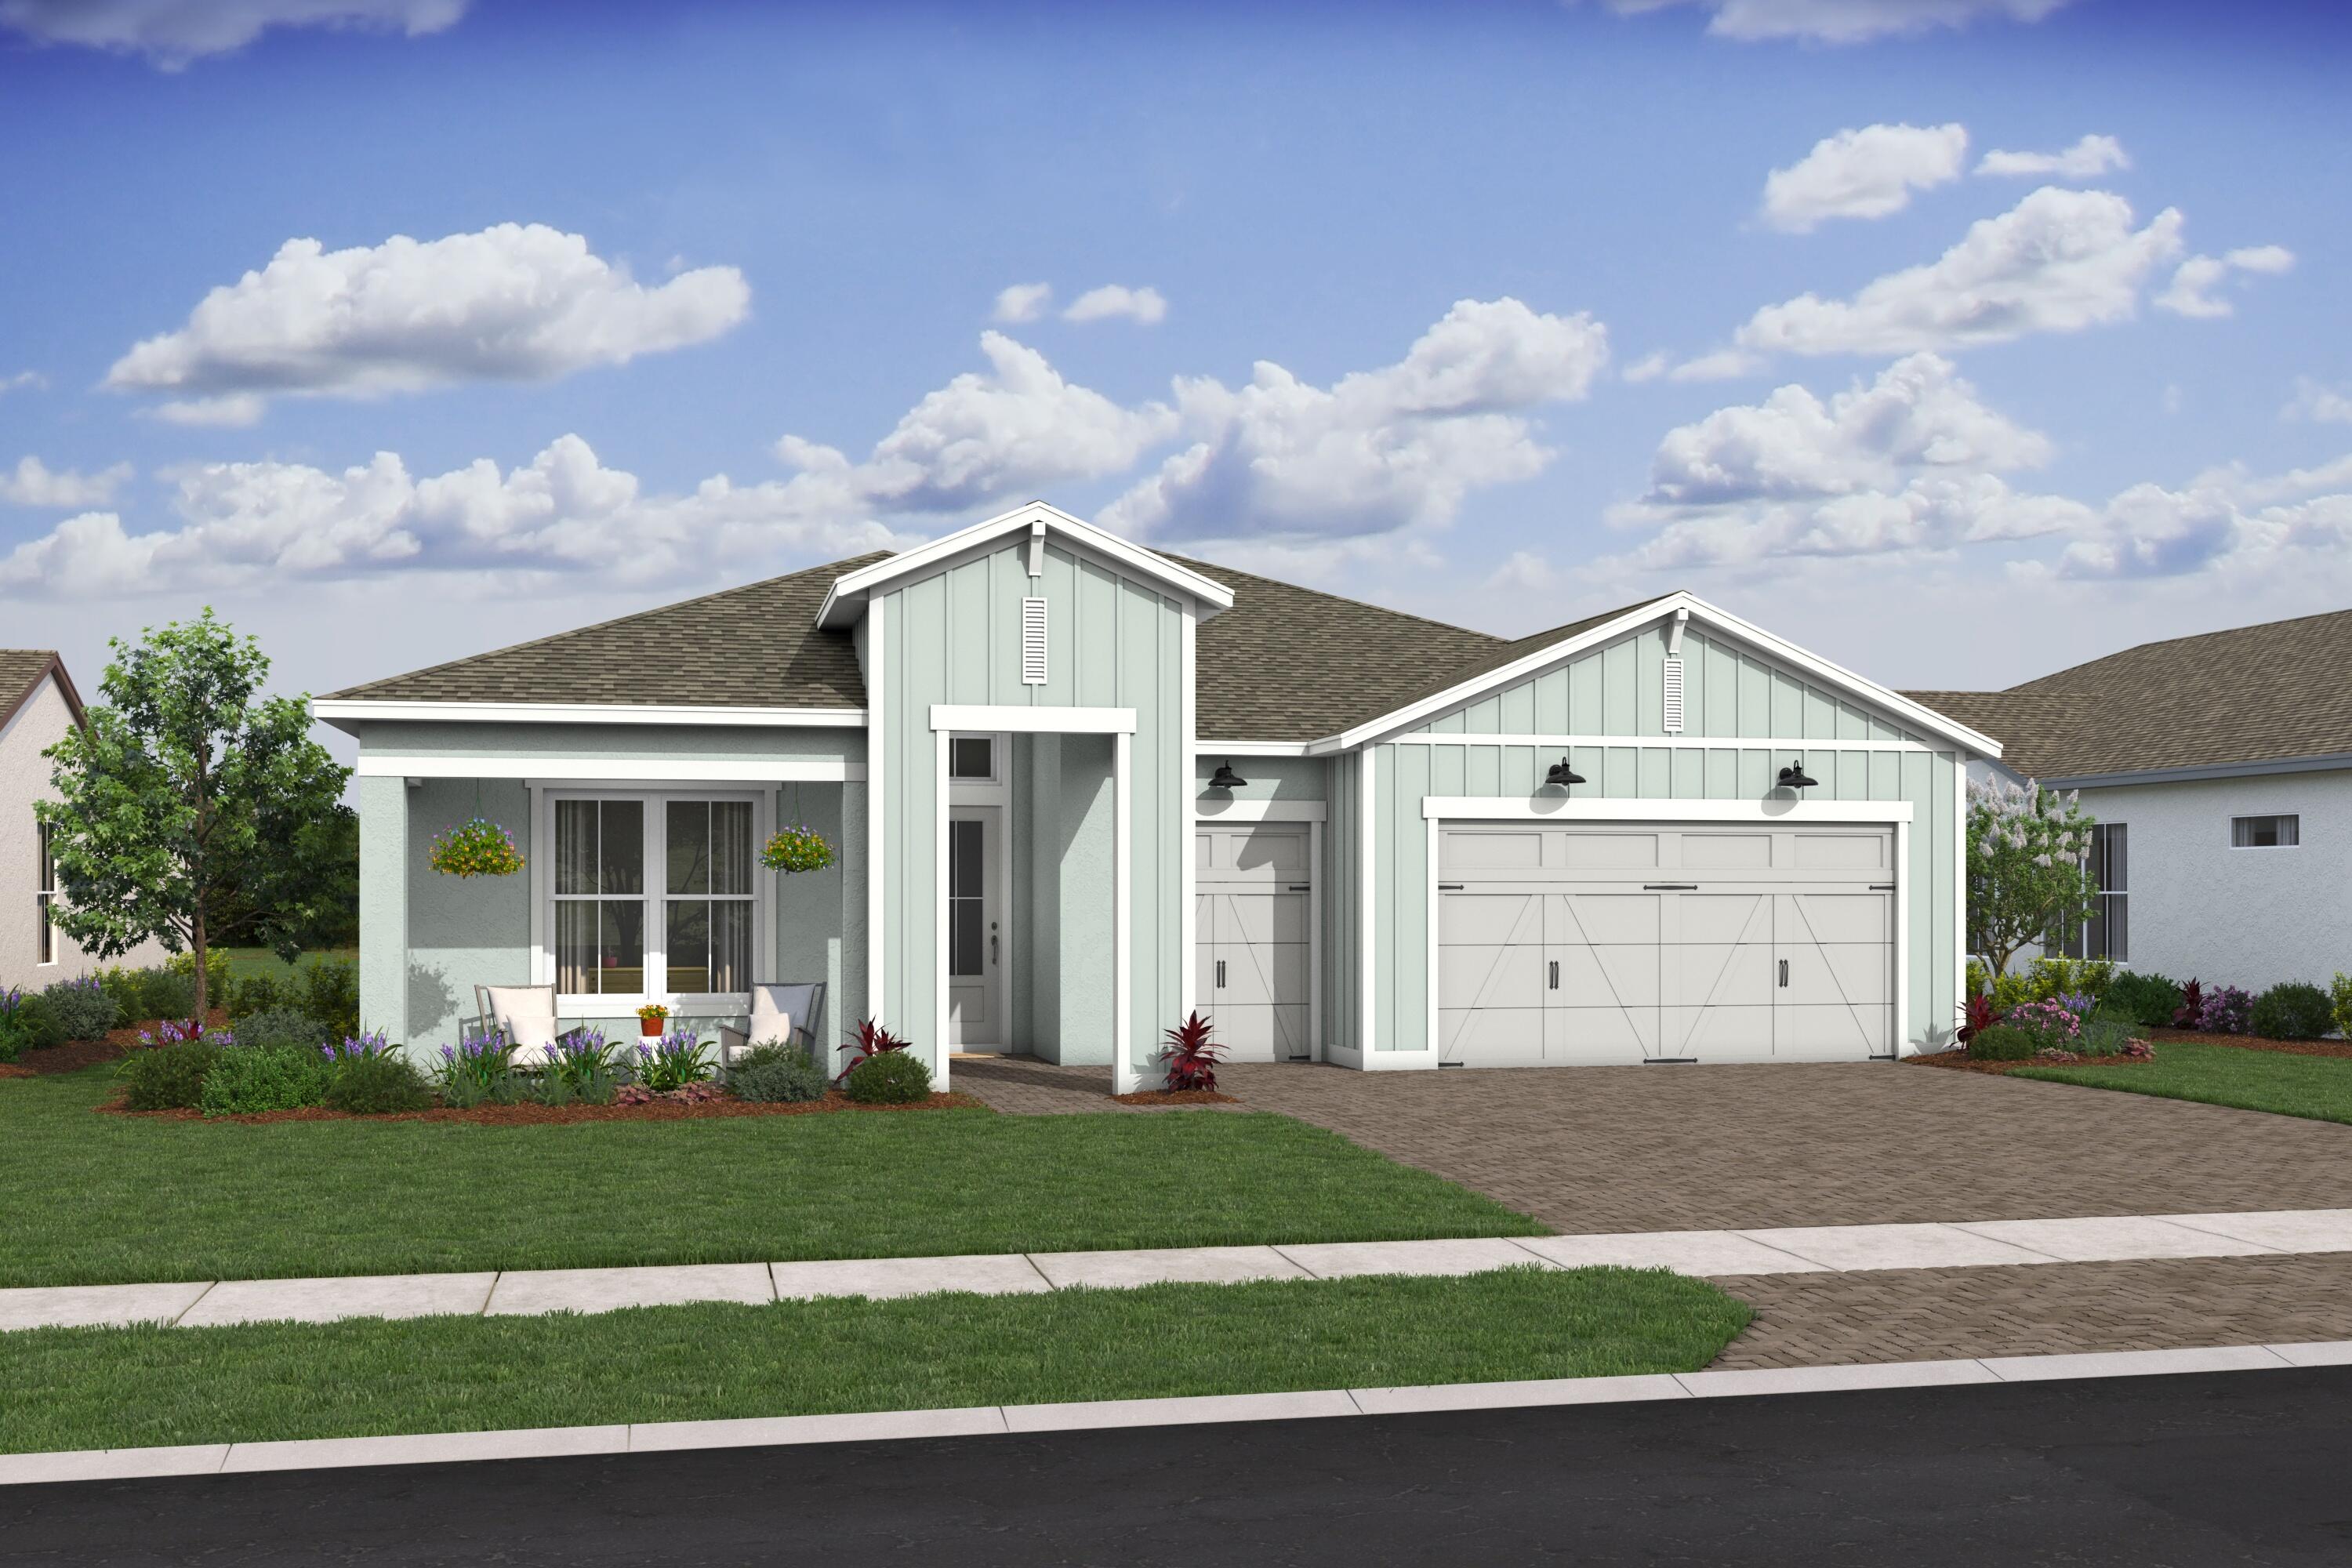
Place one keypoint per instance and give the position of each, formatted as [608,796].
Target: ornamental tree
[191,809]
[2029,867]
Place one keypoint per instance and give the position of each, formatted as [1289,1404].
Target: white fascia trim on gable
[1894,702]
[1573,808]
[845,600]
[1039,720]
[630,770]
[334,709]
[1257,748]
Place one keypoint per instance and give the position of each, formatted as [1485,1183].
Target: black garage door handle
[1670,887]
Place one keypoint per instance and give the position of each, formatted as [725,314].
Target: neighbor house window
[973,757]
[45,895]
[600,897]
[2264,832]
[706,912]
[2108,933]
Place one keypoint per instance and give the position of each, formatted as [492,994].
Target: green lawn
[2319,1088]
[244,963]
[89,1388]
[97,1199]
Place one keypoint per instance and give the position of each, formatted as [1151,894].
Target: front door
[976,955]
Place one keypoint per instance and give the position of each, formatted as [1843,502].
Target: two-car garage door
[1635,942]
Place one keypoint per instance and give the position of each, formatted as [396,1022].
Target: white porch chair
[786,1012]
[527,1013]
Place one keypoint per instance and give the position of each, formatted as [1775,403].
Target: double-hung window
[2108,933]
[44,896]
[653,895]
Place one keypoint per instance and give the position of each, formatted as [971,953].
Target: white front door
[976,935]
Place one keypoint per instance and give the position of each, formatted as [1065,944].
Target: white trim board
[1254,748]
[332,708]
[1571,808]
[1260,811]
[618,769]
[1676,743]
[1026,721]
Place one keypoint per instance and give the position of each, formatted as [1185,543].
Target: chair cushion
[527,1013]
[778,1010]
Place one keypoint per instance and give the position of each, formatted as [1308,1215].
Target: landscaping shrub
[2001,1043]
[2339,997]
[673,1061]
[871,1040]
[216,974]
[250,1078]
[889,1078]
[257,994]
[2051,1026]
[580,1067]
[82,1008]
[375,1083]
[1191,1054]
[2226,1010]
[2011,992]
[282,1029]
[169,1077]
[776,1074]
[478,1069]
[2150,998]
[144,994]
[2192,1005]
[2106,1033]
[2050,977]
[28,1023]
[2292,1010]
[330,993]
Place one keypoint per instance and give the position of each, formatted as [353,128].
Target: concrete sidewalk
[1722,1254]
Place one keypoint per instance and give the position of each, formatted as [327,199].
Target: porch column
[1126,1075]
[383,905]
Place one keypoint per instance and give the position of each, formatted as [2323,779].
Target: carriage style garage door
[1250,935]
[1634,942]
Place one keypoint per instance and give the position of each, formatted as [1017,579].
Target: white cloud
[2085,160]
[2315,401]
[1649,367]
[171,33]
[1723,365]
[1143,306]
[514,302]
[23,379]
[1866,173]
[2059,261]
[34,483]
[231,413]
[1911,461]
[1012,431]
[1379,451]
[1844,21]
[271,524]
[2190,292]
[1022,301]
[2236,527]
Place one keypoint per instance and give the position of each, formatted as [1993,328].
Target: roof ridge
[2185,637]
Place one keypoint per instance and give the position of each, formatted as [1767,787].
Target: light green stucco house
[1078,788]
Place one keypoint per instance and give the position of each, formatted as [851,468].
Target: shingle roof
[753,647]
[2262,693]
[21,669]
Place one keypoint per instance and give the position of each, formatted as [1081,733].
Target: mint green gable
[1114,640]
[1579,707]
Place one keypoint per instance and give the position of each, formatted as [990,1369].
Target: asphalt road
[2239,1469]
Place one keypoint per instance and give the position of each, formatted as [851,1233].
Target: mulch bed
[540,1115]
[2256,1043]
[1959,1061]
[76,1055]
[1175,1096]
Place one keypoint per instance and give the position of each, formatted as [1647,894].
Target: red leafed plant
[872,1040]
[1980,1013]
[2192,1015]
[1191,1056]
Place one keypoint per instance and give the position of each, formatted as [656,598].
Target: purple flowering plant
[2052,1025]
[673,1061]
[10,998]
[2226,1010]
[583,1059]
[478,1060]
[355,1048]
[171,1032]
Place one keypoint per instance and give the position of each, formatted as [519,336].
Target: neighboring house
[2220,770]
[37,705]
[1079,787]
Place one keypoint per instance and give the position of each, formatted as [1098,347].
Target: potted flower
[475,848]
[650,1019]
[796,849]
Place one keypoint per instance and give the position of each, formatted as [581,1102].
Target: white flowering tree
[2029,867]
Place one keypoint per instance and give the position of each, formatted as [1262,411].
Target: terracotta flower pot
[649,1026]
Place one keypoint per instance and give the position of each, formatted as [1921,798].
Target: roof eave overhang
[845,600]
[2330,762]
[346,713]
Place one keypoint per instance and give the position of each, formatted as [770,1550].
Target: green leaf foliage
[375,1085]
[892,1077]
[775,1073]
[2001,1043]
[247,1080]
[2029,868]
[189,802]
[166,1078]
[2150,998]
[2293,1010]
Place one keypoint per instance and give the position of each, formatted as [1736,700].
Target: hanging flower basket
[796,850]
[475,848]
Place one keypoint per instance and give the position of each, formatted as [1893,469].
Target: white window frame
[598,1003]
[45,898]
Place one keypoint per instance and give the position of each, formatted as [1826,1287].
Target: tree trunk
[196,945]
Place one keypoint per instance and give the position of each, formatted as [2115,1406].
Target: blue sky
[1482,312]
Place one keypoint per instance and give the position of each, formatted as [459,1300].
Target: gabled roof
[846,600]
[754,646]
[22,670]
[2276,692]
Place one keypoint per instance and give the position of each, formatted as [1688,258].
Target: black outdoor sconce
[1560,774]
[1225,778]
[1794,776]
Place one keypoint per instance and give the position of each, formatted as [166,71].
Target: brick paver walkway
[1024,1085]
[1699,1148]
[1924,1314]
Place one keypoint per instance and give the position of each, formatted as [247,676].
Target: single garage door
[1630,942]
[1250,925]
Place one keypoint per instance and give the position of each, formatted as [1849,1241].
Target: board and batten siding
[1618,690]
[954,636]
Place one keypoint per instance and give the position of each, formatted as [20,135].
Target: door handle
[1221,974]
[1670,887]
[1295,887]
[992,947]
[1784,973]
[1555,974]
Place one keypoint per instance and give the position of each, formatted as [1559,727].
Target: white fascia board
[1927,719]
[2194,773]
[1038,721]
[1254,748]
[1662,742]
[845,601]
[1207,811]
[1573,808]
[613,770]
[335,709]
